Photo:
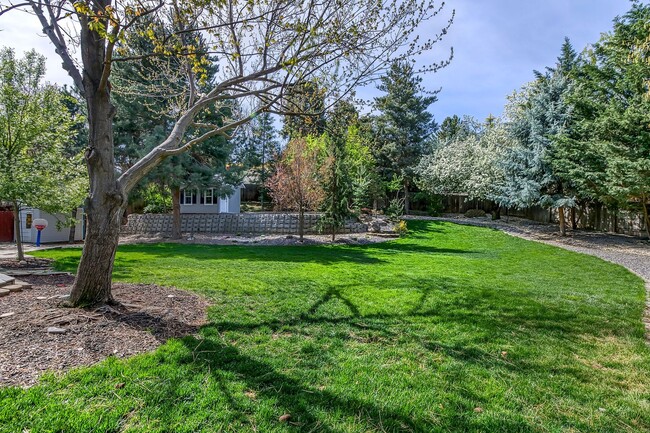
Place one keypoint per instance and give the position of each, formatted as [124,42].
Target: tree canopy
[259,50]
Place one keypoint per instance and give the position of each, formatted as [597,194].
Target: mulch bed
[146,317]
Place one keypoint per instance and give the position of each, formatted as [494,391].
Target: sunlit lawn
[451,329]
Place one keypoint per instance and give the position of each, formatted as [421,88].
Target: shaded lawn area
[452,329]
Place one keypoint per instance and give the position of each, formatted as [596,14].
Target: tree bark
[19,235]
[73,228]
[176,212]
[107,199]
[574,222]
[407,203]
[562,221]
[301,223]
[496,213]
[646,214]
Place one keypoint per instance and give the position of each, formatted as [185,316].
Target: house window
[189,196]
[208,196]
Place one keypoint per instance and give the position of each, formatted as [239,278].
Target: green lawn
[451,329]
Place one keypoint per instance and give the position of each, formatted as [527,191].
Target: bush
[401,229]
[395,209]
[475,213]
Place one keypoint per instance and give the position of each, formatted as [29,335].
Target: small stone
[41,298]
[55,330]
[171,296]
[284,418]
[478,409]
[3,315]
[23,284]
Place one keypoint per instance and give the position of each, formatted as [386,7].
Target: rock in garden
[3,315]
[55,330]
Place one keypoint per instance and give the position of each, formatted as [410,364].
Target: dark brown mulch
[146,317]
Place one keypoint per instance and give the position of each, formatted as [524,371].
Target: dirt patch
[147,316]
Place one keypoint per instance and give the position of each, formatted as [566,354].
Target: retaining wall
[224,223]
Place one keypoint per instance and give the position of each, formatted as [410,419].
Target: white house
[51,233]
[206,200]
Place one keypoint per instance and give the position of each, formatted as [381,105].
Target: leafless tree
[261,48]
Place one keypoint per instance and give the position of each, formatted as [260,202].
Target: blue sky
[497,45]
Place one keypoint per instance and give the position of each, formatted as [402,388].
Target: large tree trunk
[107,200]
[176,212]
[19,235]
[562,221]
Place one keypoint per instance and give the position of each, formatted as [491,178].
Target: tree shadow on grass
[496,312]
[317,409]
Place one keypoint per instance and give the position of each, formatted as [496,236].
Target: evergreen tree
[337,179]
[403,124]
[456,128]
[305,110]
[257,148]
[607,152]
[538,115]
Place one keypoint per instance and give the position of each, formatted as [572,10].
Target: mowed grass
[451,329]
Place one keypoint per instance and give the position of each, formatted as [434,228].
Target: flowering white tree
[470,165]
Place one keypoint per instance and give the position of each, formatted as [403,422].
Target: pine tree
[403,125]
[608,150]
[257,148]
[539,114]
[337,182]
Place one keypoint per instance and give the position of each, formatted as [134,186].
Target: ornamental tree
[469,164]
[296,184]
[35,127]
[537,115]
[260,49]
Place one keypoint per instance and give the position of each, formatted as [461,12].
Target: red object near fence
[6,226]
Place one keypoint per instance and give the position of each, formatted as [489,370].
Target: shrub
[475,213]
[401,229]
[395,209]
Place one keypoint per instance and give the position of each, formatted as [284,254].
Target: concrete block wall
[237,224]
